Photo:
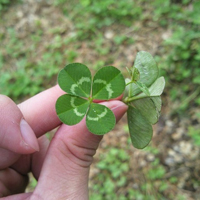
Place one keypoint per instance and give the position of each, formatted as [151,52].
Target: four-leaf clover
[82,90]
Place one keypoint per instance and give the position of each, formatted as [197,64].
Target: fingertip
[12,131]
[28,135]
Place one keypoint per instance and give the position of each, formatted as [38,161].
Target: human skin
[61,165]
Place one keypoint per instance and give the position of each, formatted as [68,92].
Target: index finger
[39,111]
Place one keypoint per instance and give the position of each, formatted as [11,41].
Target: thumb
[66,167]
[15,133]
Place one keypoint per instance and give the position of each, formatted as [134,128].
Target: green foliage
[143,99]
[109,10]
[113,166]
[4,4]
[156,184]
[24,76]
[194,133]
[100,119]
[76,80]
[182,50]
[185,56]
[144,102]
[157,171]
[123,12]
[112,181]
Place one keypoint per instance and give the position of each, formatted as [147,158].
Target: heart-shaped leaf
[100,119]
[71,109]
[75,79]
[108,83]
[156,89]
[147,68]
[144,110]
[149,107]
[140,128]
[143,87]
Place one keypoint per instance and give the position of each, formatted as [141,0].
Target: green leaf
[156,89]
[75,79]
[143,111]
[140,128]
[135,74]
[71,109]
[147,68]
[108,83]
[85,2]
[100,119]
[149,107]
[129,71]
[143,87]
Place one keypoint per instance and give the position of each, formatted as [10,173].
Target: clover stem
[125,100]
[129,83]
[130,89]
[90,99]
[128,99]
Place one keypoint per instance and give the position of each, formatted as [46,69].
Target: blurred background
[39,37]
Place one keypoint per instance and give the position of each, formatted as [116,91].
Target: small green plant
[4,4]
[194,132]
[142,95]
[114,167]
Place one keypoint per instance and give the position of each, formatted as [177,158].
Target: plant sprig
[142,95]
[76,80]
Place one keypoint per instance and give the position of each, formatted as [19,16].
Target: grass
[114,166]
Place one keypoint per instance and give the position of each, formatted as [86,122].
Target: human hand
[60,166]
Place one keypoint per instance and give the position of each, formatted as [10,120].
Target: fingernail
[119,111]
[116,107]
[28,135]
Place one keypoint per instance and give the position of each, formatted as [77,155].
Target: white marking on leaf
[83,79]
[73,88]
[77,113]
[80,82]
[100,81]
[103,114]
[72,102]
[108,86]
[93,118]
[99,116]
[110,91]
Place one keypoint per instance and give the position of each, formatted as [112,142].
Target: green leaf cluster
[143,98]
[142,95]
[76,80]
